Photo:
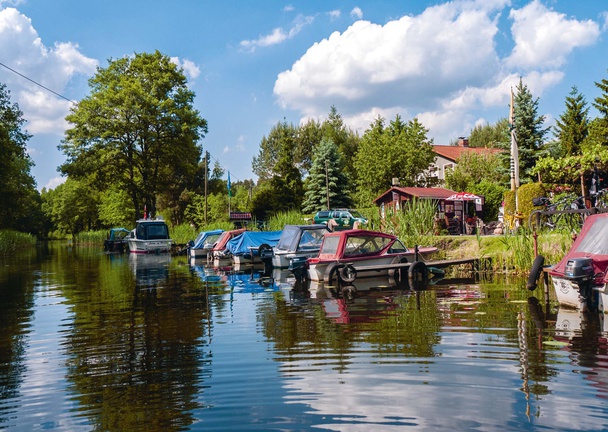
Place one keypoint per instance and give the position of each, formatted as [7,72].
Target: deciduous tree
[137,129]
[19,200]
[400,150]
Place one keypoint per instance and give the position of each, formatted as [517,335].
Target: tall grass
[12,241]
[91,237]
[414,224]
[292,217]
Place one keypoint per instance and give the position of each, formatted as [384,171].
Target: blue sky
[253,64]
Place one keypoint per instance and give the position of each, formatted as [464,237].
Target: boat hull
[316,271]
[568,293]
[199,252]
[149,246]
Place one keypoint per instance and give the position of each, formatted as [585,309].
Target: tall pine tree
[327,182]
[572,127]
[529,131]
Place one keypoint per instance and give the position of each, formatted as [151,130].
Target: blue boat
[246,246]
[204,242]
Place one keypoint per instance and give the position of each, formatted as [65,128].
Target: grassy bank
[12,241]
[505,253]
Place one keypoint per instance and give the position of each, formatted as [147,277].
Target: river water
[91,341]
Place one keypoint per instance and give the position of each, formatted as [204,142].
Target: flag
[229,191]
[145,211]
[514,150]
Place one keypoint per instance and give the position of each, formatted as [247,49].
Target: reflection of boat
[580,278]
[116,240]
[246,246]
[150,269]
[207,274]
[204,243]
[298,242]
[149,236]
[359,251]
[250,282]
[219,255]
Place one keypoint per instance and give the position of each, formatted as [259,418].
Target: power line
[37,83]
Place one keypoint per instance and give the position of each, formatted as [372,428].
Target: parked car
[340,219]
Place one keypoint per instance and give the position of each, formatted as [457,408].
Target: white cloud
[439,66]
[54,182]
[543,38]
[356,12]
[278,35]
[23,51]
[334,14]
[419,59]
[191,70]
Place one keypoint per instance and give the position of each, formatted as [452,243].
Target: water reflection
[150,269]
[91,341]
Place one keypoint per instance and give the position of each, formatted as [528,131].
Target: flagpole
[514,152]
[229,195]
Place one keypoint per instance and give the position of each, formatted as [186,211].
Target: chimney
[463,142]
[395,181]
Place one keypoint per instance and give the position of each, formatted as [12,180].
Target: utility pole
[206,164]
[327,182]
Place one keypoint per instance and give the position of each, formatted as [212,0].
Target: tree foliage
[572,127]
[20,202]
[491,136]
[399,150]
[529,131]
[327,184]
[72,207]
[137,129]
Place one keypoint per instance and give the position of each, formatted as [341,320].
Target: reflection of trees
[16,304]
[135,353]
[394,322]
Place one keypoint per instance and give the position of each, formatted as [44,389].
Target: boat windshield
[287,238]
[596,239]
[363,245]
[155,231]
[330,245]
[311,239]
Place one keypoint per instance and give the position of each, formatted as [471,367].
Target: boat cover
[592,242]
[206,237]
[301,237]
[252,240]
[225,237]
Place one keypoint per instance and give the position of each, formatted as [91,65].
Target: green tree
[265,163]
[137,129]
[529,132]
[72,207]
[19,200]
[400,150]
[572,127]
[344,138]
[114,208]
[327,183]
[491,136]
[472,168]
[481,174]
[601,104]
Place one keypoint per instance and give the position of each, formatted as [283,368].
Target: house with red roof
[448,156]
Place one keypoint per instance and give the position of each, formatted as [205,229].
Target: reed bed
[12,241]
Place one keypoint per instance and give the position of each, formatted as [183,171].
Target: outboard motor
[580,271]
